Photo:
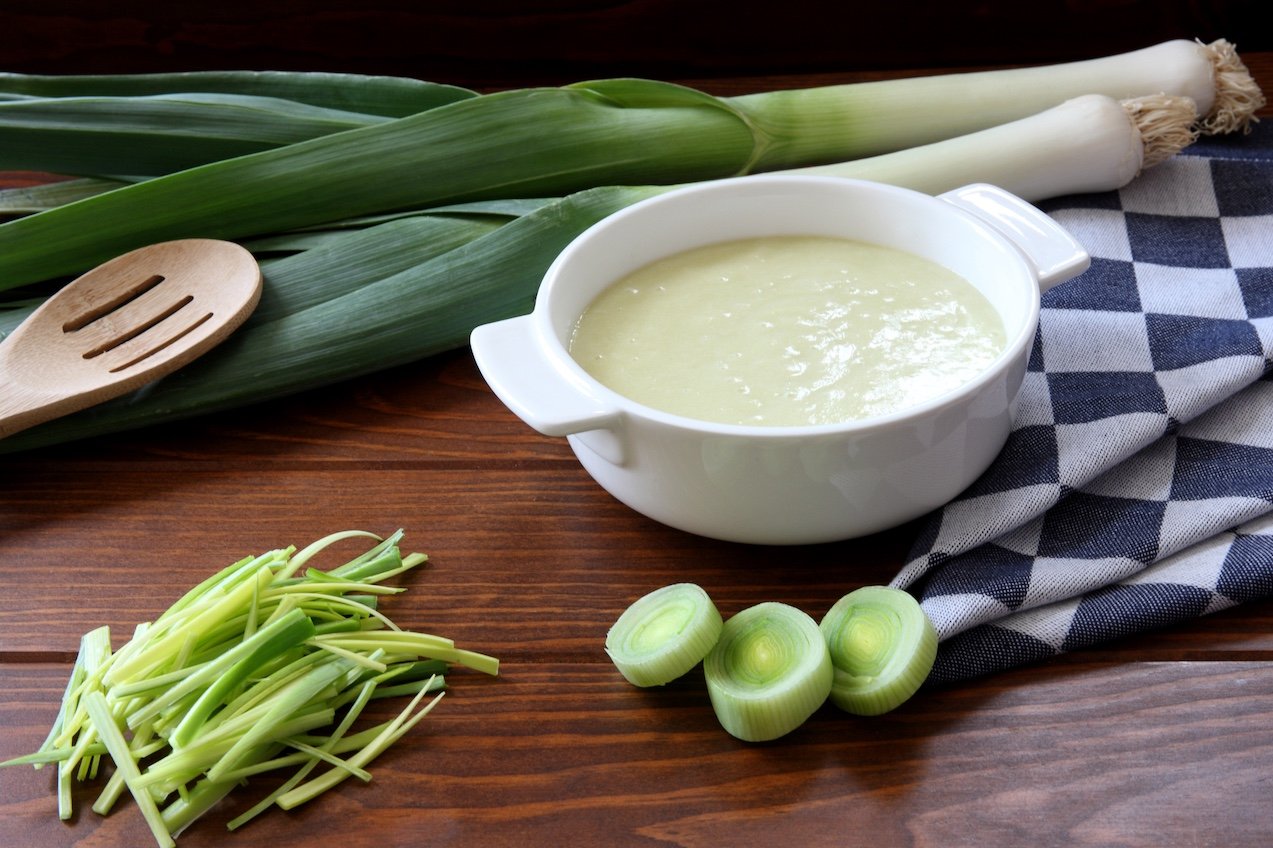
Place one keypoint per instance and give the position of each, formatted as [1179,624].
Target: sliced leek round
[768,673]
[882,647]
[664,634]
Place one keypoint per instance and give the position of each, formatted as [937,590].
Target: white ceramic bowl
[784,485]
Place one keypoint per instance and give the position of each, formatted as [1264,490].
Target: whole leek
[394,292]
[532,142]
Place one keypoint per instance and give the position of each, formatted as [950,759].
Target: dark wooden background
[497,43]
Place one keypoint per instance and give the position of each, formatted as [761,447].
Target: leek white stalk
[664,634]
[878,117]
[1090,143]
[768,673]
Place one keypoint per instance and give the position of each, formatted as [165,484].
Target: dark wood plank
[1143,755]
[534,557]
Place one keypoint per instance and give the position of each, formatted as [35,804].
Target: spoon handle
[23,406]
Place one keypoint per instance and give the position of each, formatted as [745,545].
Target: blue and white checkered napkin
[1136,489]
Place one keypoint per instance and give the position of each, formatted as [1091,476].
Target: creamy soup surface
[787,330]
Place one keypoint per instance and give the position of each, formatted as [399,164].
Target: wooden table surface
[1159,739]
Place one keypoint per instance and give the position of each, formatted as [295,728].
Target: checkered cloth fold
[1136,488]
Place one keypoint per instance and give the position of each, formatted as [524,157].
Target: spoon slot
[123,324]
[171,340]
[129,335]
[121,299]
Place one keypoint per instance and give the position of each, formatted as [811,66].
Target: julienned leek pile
[393,216]
[264,666]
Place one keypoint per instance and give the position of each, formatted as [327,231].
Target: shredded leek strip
[343,745]
[352,656]
[663,634]
[293,629]
[416,644]
[312,755]
[407,675]
[142,746]
[301,559]
[264,689]
[430,685]
[179,767]
[108,730]
[94,658]
[882,646]
[401,724]
[768,673]
[283,704]
[157,649]
[193,803]
[67,723]
[285,629]
[331,587]
[218,585]
[352,605]
[330,759]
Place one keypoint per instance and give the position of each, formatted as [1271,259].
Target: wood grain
[1147,754]
[1158,739]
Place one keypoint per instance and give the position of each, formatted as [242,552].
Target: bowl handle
[1056,255]
[533,384]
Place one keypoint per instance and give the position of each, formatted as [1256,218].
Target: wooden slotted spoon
[127,322]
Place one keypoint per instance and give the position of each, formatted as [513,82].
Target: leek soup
[787,330]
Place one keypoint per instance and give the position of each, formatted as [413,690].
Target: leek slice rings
[664,634]
[769,672]
[882,646]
